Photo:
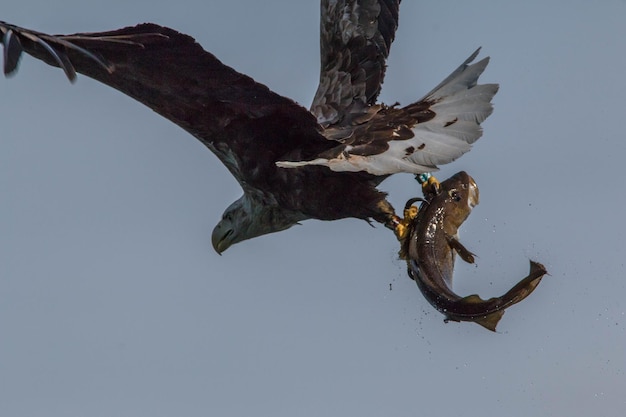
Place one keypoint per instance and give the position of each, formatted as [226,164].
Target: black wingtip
[12,52]
[55,47]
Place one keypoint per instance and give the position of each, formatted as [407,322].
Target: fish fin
[458,247]
[472,299]
[490,321]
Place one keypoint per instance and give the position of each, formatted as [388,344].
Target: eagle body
[292,163]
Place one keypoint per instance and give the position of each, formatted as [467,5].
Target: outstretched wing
[240,120]
[355,38]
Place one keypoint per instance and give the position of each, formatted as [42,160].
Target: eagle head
[250,217]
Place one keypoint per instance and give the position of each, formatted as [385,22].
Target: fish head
[460,195]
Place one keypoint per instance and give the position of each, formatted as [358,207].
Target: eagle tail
[435,130]
[459,105]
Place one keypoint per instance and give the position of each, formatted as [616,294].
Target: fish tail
[513,296]
[526,286]
[537,269]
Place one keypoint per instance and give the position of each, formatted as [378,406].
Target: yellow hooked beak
[221,238]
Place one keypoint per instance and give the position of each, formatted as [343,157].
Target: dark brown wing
[355,38]
[244,123]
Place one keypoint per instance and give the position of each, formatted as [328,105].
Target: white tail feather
[459,104]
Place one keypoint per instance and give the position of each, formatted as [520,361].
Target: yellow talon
[410,213]
[403,225]
[401,231]
[430,186]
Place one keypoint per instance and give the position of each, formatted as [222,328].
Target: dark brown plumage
[259,134]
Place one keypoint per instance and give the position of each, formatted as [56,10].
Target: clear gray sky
[113,303]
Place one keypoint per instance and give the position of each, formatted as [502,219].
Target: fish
[432,244]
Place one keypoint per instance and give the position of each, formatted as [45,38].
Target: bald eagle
[292,163]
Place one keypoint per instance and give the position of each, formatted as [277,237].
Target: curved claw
[410,202]
[431,186]
[403,226]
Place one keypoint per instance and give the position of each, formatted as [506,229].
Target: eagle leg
[430,184]
[404,225]
[401,226]
[386,214]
